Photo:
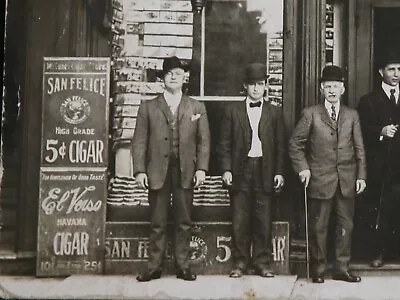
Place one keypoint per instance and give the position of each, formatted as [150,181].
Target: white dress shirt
[328,107]
[172,100]
[386,88]
[254,115]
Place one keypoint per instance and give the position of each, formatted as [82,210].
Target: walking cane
[306,214]
[385,182]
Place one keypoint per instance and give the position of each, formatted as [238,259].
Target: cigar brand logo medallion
[75,110]
[198,249]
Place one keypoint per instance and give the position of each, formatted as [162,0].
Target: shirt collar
[386,88]
[328,105]
[248,102]
[172,97]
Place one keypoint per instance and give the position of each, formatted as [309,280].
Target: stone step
[391,268]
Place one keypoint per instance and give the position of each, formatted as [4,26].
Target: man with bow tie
[327,153]
[252,151]
[380,116]
[171,151]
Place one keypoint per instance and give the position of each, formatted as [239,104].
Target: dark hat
[391,56]
[255,72]
[171,63]
[332,73]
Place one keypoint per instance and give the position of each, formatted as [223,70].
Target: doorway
[386,29]
[377,29]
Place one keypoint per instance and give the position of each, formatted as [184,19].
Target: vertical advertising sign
[73,169]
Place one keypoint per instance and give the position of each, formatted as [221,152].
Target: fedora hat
[332,73]
[255,72]
[391,56]
[170,63]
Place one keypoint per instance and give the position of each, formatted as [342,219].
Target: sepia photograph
[200,149]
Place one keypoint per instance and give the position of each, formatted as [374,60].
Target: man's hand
[141,179]
[305,176]
[227,178]
[360,185]
[389,130]
[199,178]
[279,182]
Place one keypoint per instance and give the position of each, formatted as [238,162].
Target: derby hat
[332,73]
[391,56]
[255,72]
[170,63]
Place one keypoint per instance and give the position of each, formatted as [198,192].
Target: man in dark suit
[380,116]
[251,151]
[327,152]
[171,149]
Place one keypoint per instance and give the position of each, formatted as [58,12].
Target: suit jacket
[236,136]
[376,111]
[333,152]
[151,140]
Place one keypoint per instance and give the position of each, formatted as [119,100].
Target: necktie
[392,97]
[255,104]
[333,113]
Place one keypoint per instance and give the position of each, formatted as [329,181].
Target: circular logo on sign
[75,110]
[198,249]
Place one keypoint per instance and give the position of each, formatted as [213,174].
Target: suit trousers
[251,221]
[389,223]
[159,201]
[320,212]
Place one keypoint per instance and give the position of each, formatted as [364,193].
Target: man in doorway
[171,149]
[380,116]
[327,153]
[252,151]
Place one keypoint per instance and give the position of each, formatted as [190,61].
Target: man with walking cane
[380,115]
[327,153]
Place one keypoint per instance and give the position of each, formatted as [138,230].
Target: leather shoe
[346,276]
[236,273]
[264,272]
[318,279]
[377,262]
[186,274]
[149,275]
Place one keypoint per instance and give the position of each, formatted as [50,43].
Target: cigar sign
[73,172]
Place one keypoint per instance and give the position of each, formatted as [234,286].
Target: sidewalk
[205,287]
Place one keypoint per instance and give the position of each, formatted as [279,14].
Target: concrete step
[390,268]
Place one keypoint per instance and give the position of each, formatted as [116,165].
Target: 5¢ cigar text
[76,151]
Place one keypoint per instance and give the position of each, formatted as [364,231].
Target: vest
[174,127]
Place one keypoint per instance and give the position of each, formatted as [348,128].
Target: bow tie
[255,104]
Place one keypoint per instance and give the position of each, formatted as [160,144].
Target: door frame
[361,51]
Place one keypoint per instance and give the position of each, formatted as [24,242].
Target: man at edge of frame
[380,117]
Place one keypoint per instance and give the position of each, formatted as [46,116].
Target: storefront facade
[295,39]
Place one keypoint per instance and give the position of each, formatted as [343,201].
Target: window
[232,34]
[227,36]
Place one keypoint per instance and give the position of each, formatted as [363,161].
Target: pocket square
[195,117]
